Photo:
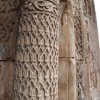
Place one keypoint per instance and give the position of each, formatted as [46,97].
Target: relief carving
[87,8]
[79,51]
[36,67]
[37,50]
[93,73]
[6,83]
[90,55]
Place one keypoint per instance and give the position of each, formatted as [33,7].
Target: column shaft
[36,66]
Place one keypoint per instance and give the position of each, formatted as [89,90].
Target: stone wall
[8,32]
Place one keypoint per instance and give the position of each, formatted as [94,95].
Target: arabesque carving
[79,51]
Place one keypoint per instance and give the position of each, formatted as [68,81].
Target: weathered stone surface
[72,89]
[86,44]
[67,66]
[63,79]
[8,31]
[67,36]
[8,5]
[6,80]
[67,79]
[36,62]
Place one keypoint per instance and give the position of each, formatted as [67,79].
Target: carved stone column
[36,66]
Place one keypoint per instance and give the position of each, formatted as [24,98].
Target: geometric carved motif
[36,66]
[79,51]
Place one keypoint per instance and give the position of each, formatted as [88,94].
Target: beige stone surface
[8,32]
[67,67]
[63,36]
[6,80]
[67,36]
[72,93]
[63,79]
[67,79]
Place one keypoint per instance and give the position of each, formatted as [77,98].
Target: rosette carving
[40,6]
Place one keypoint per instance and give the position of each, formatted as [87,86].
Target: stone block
[72,94]
[63,70]
[67,79]
[63,79]
[63,93]
[6,77]
[8,31]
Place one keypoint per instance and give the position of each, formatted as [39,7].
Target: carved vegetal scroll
[87,8]
[86,44]
[90,48]
[93,73]
[36,67]
[79,50]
